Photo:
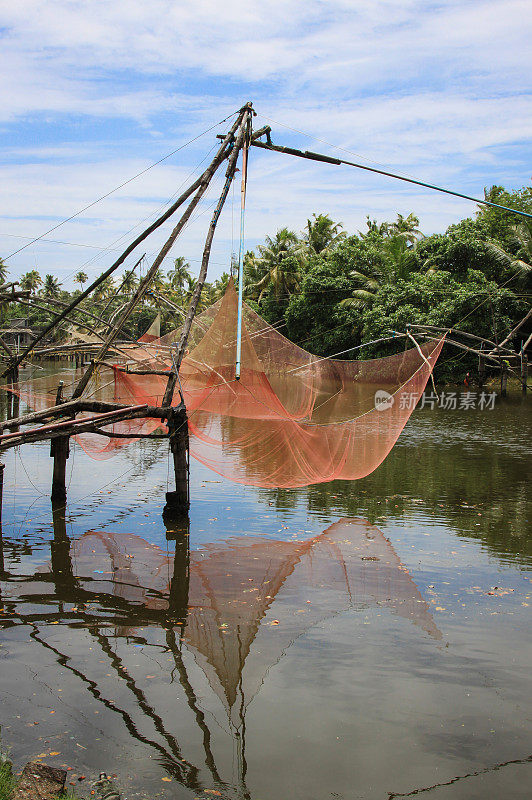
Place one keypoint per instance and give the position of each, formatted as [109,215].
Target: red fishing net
[292,418]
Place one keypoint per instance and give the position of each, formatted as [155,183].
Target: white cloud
[438,91]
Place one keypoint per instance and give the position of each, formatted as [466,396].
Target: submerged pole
[59,451]
[178,501]
[524,371]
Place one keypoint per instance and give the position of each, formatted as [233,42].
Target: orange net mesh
[292,419]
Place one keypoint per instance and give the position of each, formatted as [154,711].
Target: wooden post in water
[481,371]
[178,502]
[524,371]
[59,451]
[504,378]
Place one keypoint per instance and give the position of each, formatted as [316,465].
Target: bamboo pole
[206,252]
[461,333]
[513,332]
[201,184]
[120,260]
[243,188]
[71,427]
[74,407]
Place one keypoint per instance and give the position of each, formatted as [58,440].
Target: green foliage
[331,291]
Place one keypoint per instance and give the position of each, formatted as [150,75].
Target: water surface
[346,640]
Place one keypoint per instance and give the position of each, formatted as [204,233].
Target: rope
[125,183]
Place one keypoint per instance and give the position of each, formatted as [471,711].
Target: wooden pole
[59,451]
[178,502]
[201,184]
[513,331]
[194,300]
[524,372]
[481,368]
[504,378]
[120,260]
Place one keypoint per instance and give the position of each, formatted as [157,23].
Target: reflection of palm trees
[217,604]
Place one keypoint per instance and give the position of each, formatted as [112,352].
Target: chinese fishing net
[292,419]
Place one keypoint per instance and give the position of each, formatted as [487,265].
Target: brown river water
[365,639]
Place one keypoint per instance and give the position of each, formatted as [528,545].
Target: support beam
[513,332]
[120,260]
[242,128]
[202,185]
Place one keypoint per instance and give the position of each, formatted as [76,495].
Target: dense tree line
[334,290]
[329,290]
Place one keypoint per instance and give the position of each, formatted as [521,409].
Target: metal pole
[241,254]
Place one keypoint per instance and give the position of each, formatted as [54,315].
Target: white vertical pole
[241,256]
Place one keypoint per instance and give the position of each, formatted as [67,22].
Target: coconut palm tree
[129,283]
[398,260]
[407,227]
[81,278]
[277,265]
[179,273]
[31,280]
[51,286]
[220,285]
[3,270]
[104,290]
[322,234]
[520,264]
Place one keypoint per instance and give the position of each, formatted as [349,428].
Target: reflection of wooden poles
[179,584]
[62,570]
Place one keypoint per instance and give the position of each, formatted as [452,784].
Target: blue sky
[95,91]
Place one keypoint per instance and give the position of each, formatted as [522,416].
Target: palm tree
[129,283]
[520,264]
[81,278]
[179,273]
[3,270]
[51,286]
[31,280]
[191,285]
[158,282]
[277,265]
[398,260]
[105,289]
[322,234]
[406,227]
[220,285]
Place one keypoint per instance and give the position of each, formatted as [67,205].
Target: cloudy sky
[93,92]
